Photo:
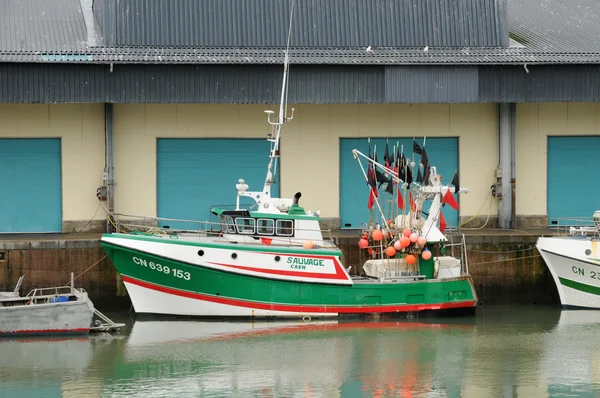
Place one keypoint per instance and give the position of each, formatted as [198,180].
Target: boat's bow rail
[577,226]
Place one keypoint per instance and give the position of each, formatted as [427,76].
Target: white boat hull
[575,267]
[149,301]
[74,317]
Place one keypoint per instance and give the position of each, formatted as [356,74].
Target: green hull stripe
[241,246]
[580,286]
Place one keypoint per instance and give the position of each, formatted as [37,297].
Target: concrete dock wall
[507,269]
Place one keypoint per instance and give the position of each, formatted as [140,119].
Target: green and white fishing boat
[272,260]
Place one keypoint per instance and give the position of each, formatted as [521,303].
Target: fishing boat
[574,261]
[61,310]
[272,259]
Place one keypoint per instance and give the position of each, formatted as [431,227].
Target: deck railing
[576,226]
[127,223]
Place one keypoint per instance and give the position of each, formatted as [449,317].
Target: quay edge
[505,265]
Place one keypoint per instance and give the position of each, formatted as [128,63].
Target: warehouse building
[164,103]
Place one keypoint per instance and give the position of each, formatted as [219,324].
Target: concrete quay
[505,265]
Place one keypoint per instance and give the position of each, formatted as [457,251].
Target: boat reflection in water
[57,366]
[523,352]
[288,358]
[39,366]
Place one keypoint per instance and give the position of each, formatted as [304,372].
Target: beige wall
[535,122]
[313,134]
[81,129]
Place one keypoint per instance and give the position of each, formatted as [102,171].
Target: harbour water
[503,351]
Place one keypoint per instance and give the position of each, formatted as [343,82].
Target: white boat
[574,262]
[50,311]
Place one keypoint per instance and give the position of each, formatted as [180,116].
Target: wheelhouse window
[266,227]
[228,225]
[246,226]
[284,227]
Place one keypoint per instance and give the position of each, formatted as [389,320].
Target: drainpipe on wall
[505,192]
[110,162]
[513,165]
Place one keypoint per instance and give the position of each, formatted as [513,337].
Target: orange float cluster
[408,242]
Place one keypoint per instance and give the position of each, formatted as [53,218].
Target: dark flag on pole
[408,173]
[426,168]
[386,156]
[455,182]
[424,158]
[419,176]
[416,148]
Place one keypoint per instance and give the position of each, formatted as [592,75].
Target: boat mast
[282,118]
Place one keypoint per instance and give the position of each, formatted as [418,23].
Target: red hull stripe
[313,275]
[46,331]
[300,308]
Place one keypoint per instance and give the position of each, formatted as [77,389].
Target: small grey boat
[50,311]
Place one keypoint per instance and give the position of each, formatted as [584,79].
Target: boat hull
[575,267]
[73,317]
[209,292]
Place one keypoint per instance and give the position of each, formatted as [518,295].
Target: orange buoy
[377,235]
[363,243]
[390,251]
[410,259]
[404,241]
[426,254]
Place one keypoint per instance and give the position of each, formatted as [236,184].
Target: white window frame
[229,225]
[246,229]
[278,228]
[271,227]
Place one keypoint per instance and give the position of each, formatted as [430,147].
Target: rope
[502,252]
[505,261]
[89,268]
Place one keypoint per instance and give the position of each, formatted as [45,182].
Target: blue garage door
[30,198]
[573,162]
[195,174]
[354,193]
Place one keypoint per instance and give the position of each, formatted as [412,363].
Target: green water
[501,352]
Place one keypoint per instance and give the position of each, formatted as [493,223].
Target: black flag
[419,176]
[424,158]
[408,173]
[386,155]
[416,148]
[455,182]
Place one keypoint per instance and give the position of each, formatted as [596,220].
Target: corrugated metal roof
[316,23]
[556,26]
[42,25]
[549,31]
